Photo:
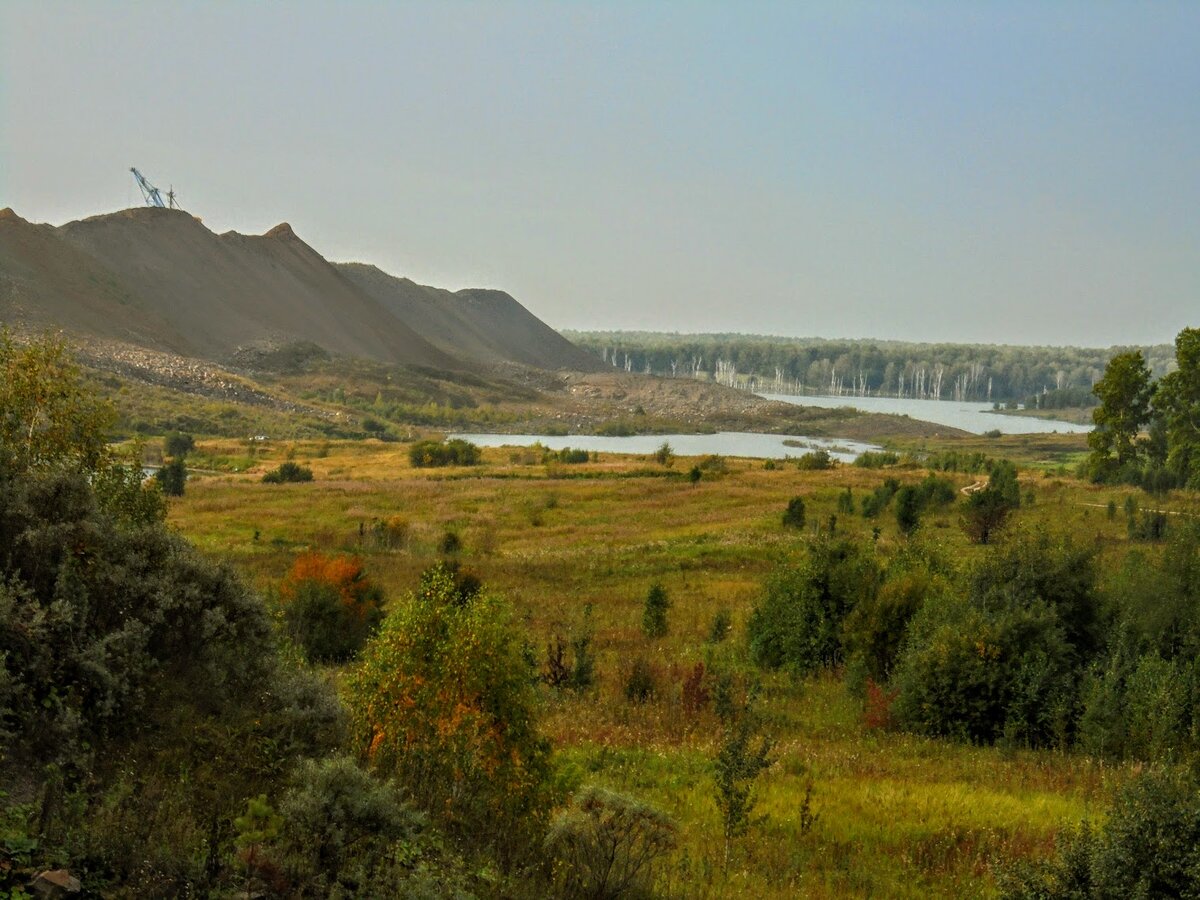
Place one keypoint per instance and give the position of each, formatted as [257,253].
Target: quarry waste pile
[158,278]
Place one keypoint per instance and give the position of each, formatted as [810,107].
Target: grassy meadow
[573,547]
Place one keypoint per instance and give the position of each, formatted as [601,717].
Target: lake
[976,417]
[723,443]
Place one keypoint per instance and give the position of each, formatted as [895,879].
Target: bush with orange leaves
[330,607]
[444,701]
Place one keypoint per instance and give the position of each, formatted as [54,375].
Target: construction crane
[151,194]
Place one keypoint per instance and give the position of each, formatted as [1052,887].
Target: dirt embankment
[585,401]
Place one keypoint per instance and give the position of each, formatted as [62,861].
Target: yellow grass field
[889,814]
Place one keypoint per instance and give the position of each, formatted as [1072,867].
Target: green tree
[908,508]
[48,417]
[172,477]
[654,611]
[988,509]
[454,452]
[1125,393]
[793,516]
[875,629]
[178,444]
[141,695]
[1005,660]
[1178,398]
[743,755]
[797,623]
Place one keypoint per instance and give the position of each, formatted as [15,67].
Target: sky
[985,172]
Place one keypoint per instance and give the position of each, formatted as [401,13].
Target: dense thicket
[454,452]
[1026,646]
[148,723]
[1148,847]
[130,663]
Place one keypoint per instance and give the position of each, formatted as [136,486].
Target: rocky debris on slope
[190,376]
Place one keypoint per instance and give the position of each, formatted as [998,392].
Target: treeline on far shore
[988,372]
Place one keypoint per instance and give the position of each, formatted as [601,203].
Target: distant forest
[1046,377]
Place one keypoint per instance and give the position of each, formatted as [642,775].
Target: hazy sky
[1025,173]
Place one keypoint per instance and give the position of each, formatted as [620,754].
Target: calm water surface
[725,443]
[974,416]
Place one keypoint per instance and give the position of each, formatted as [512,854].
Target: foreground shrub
[444,701]
[330,607]
[959,461]
[879,499]
[606,845]
[141,698]
[92,616]
[567,456]
[1140,708]
[641,681]
[978,677]
[288,472]
[722,625]
[936,491]
[908,508]
[742,756]
[874,630]
[340,827]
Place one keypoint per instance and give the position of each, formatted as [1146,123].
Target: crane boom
[149,192]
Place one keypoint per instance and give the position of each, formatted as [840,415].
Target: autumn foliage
[444,701]
[330,607]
